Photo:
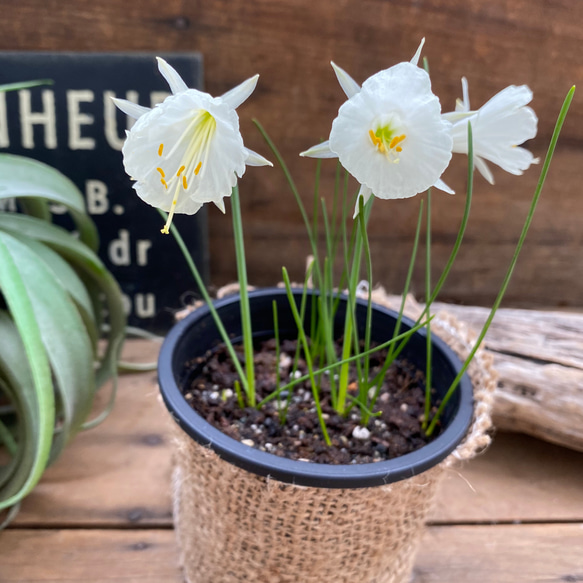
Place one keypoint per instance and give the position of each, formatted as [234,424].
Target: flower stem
[428,364]
[244,295]
[209,302]
[307,356]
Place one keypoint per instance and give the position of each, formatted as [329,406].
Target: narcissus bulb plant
[391,136]
[188,150]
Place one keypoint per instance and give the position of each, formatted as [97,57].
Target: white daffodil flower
[187,150]
[498,127]
[390,134]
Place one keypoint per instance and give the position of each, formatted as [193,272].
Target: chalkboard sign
[74,126]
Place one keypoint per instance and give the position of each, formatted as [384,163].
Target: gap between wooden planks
[470,554]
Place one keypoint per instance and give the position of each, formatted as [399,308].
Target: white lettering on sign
[142,248]
[97,197]
[127,304]
[143,305]
[110,116]
[46,118]
[4,139]
[119,249]
[77,119]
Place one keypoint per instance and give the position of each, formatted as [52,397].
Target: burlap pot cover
[233,525]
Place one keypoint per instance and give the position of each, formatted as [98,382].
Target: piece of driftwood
[539,357]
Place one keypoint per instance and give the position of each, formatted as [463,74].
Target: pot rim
[307,473]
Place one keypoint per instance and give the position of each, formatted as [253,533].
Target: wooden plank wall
[494,43]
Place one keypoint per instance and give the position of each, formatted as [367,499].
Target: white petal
[220,204]
[321,150]
[441,185]
[365,193]
[348,84]
[174,80]
[130,108]
[417,55]
[255,159]
[483,169]
[239,94]
[464,103]
[457,115]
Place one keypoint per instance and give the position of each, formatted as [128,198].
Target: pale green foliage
[53,291]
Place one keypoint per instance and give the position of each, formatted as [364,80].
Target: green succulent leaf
[70,281]
[38,402]
[25,84]
[89,267]
[22,177]
[64,337]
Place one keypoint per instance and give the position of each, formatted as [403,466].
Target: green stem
[428,364]
[364,382]
[244,295]
[459,238]
[209,302]
[309,363]
[528,221]
[350,317]
[391,353]
[277,348]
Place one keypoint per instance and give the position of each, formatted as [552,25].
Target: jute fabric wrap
[235,526]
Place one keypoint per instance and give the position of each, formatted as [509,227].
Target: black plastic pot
[197,333]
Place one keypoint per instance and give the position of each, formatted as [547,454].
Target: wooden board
[472,554]
[501,554]
[88,556]
[290,43]
[119,473]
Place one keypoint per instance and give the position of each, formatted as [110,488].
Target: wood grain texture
[539,357]
[501,554]
[118,475]
[290,43]
[472,554]
[88,556]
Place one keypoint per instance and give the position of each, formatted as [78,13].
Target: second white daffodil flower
[390,134]
[498,127]
[188,150]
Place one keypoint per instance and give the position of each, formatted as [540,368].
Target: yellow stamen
[399,149]
[165,229]
[396,141]
[180,171]
[161,172]
[197,169]
[184,183]
[164,183]
[160,149]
